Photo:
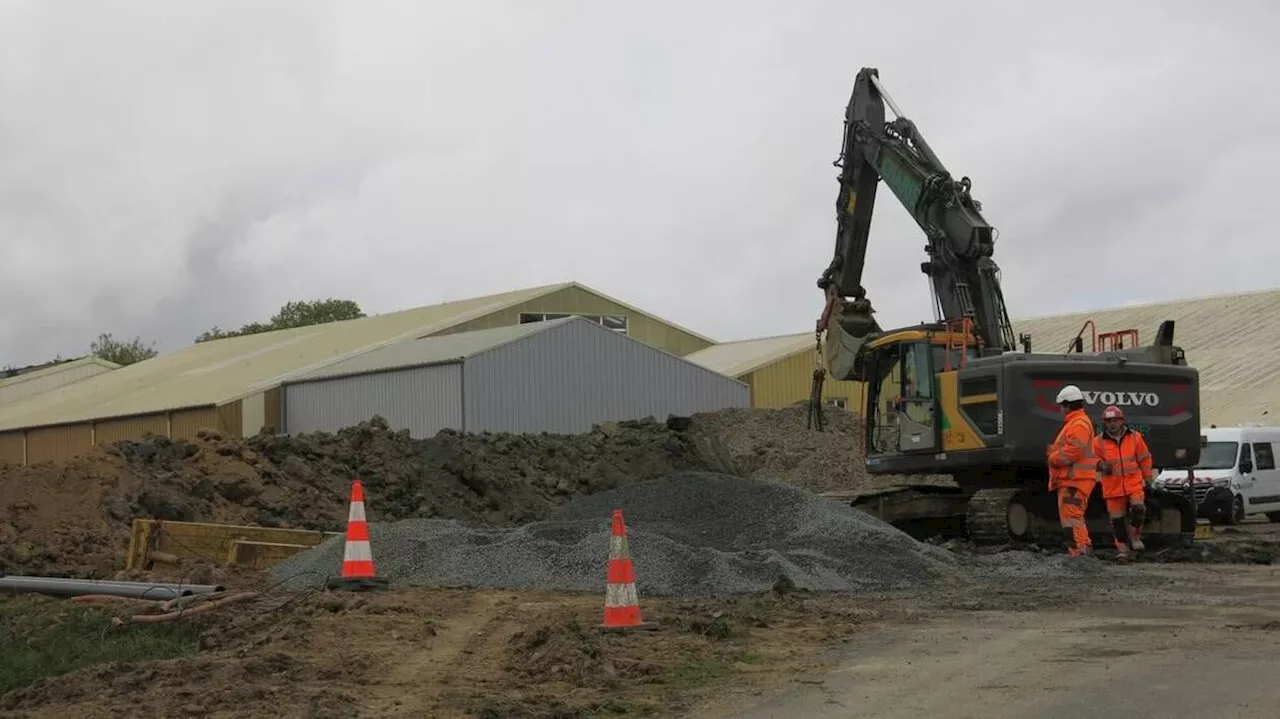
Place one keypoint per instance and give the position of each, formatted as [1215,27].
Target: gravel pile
[691,533]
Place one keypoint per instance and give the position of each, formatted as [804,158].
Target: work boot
[1120,528]
[1071,541]
[1122,552]
[1135,539]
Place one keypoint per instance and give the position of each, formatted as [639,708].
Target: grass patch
[49,637]
[696,672]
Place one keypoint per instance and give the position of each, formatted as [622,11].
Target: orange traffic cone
[621,607]
[357,557]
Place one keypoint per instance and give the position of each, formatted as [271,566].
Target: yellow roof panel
[221,371]
[734,359]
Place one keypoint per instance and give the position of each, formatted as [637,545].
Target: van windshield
[1218,455]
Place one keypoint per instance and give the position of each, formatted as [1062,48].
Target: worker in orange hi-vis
[1124,464]
[1073,469]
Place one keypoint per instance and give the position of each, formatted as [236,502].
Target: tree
[122,353]
[291,315]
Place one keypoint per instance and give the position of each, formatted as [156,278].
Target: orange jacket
[1071,457]
[1129,457]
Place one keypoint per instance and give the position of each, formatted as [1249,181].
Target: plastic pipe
[60,587]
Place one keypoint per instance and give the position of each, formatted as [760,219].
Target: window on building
[1263,453]
[838,402]
[617,323]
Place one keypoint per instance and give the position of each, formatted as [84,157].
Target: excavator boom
[964,277]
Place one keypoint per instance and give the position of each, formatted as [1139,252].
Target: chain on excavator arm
[964,277]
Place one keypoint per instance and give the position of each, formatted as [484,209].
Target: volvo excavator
[957,396]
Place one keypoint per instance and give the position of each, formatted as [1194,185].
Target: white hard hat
[1070,393]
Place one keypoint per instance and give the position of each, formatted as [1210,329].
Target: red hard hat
[1112,412]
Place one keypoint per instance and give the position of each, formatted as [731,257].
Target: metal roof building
[22,384]
[779,370]
[233,384]
[561,376]
[1232,339]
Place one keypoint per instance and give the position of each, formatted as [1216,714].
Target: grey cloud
[170,167]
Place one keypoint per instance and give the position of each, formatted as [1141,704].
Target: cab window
[1266,458]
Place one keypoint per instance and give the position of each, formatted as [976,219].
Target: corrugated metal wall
[187,423]
[576,375]
[13,448]
[35,385]
[273,409]
[53,444]
[114,430]
[64,442]
[423,400]
[254,412]
[790,380]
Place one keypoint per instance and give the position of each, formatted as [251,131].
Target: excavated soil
[72,518]
[778,444]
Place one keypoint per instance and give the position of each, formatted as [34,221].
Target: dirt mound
[73,518]
[778,444]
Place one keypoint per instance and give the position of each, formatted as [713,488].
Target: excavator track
[1019,515]
[1001,516]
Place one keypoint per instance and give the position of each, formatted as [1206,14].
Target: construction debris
[690,533]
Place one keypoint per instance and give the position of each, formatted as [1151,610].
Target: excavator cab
[907,373]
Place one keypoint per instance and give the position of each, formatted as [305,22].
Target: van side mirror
[1246,466]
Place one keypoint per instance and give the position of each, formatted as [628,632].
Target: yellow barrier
[154,540]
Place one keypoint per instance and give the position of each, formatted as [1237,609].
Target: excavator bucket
[840,351]
[848,327]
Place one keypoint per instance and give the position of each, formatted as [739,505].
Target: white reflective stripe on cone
[357,551]
[357,512]
[616,547]
[620,595]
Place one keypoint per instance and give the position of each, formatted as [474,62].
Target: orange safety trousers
[1073,500]
[1073,468]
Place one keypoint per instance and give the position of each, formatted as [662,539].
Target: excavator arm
[964,277]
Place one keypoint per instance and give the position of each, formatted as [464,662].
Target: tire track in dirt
[452,656]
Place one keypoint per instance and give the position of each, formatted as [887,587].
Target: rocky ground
[454,652]
[509,648]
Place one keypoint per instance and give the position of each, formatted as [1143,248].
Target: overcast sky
[169,166]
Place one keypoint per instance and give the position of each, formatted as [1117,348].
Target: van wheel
[1273,517]
[1237,511]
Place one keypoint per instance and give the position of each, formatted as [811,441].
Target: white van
[1236,475]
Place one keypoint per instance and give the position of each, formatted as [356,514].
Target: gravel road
[1203,646]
